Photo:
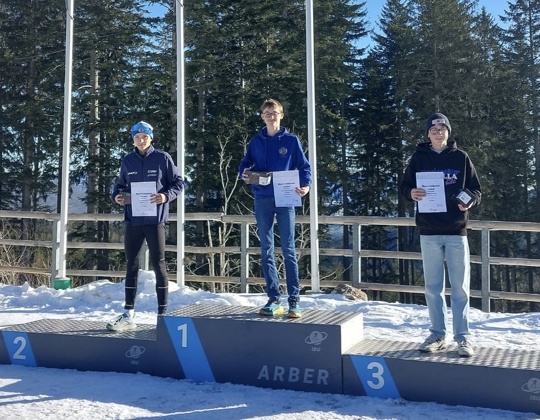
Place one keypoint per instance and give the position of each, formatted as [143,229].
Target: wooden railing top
[302,219]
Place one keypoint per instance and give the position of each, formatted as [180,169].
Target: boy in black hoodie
[443,231]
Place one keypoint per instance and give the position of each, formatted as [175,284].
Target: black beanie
[438,118]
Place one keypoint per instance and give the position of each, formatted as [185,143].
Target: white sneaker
[433,344]
[465,349]
[121,323]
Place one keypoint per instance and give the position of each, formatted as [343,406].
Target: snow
[45,393]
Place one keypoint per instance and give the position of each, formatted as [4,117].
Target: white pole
[64,204]
[180,276]
[313,202]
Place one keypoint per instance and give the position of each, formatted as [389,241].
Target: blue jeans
[265,209]
[455,249]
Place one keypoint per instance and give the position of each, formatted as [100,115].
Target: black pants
[133,242]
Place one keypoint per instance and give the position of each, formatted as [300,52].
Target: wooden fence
[357,253]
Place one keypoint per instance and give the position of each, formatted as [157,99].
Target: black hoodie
[458,172]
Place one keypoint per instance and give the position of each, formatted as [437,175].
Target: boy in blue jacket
[274,149]
[151,166]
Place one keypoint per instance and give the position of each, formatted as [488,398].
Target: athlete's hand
[301,191]
[418,194]
[158,198]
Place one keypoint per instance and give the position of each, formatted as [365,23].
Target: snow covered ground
[42,393]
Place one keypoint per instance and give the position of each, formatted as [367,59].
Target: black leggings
[133,242]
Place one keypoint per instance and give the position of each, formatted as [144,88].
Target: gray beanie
[438,118]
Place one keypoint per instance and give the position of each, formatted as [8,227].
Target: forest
[371,103]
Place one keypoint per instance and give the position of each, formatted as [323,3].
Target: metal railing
[244,250]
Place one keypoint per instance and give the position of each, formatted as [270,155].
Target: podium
[237,345]
[199,342]
[75,344]
[492,378]
[324,351]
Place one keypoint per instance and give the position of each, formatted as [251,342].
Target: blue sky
[374,7]
[494,7]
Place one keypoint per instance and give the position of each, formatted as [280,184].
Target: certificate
[435,199]
[140,199]
[285,183]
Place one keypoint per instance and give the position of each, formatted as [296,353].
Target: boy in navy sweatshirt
[145,215]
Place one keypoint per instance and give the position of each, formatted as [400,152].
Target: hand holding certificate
[435,199]
[141,192]
[285,184]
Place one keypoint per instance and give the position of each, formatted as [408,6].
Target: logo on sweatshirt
[451,176]
[283,151]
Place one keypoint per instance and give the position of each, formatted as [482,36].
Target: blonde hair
[271,103]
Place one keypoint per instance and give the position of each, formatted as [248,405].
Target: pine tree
[523,40]
[113,83]
[30,71]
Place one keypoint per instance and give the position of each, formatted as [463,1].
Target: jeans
[455,249]
[265,209]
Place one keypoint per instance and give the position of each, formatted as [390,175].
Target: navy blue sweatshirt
[156,166]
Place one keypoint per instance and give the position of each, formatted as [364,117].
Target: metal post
[486,287]
[313,202]
[180,232]
[55,257]
[356,250]
[61,281]
[244,257]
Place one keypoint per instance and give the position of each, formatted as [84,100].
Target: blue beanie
[142,127]
[438,118]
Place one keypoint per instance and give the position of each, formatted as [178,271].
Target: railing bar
[357,254]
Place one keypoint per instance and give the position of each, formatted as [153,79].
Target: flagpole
[61,281]
[312,141]
[180,274]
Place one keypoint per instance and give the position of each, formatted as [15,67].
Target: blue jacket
[157,166]
[281,152]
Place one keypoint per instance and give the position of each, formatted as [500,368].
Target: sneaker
[294,310]
[465,349]
[433,344]
[121,323]
[272,308]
